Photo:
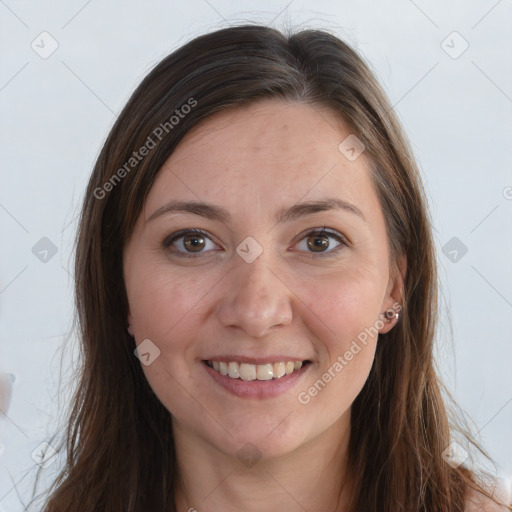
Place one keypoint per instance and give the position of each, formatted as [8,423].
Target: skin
[253,161]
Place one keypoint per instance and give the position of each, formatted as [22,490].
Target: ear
[394,299]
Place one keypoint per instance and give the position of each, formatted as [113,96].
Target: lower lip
[257,388]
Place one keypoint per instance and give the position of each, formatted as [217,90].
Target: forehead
[268,154]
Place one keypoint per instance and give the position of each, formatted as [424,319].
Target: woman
[257,295]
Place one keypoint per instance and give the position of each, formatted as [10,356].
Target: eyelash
[169,240]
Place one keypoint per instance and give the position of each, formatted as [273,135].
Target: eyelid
[323,229]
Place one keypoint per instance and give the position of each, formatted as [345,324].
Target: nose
[255,299]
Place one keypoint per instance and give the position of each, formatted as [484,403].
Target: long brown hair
[119,446]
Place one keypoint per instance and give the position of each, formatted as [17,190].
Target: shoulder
[478,502]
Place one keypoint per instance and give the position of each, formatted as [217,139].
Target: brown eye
[318,243]
[188,243]
[193,243]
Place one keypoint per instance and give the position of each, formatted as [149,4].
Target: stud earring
[390,314]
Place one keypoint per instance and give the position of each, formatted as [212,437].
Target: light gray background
[56,112]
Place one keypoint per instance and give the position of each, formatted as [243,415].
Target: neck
[312,477]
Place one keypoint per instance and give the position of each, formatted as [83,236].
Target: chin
[262,440]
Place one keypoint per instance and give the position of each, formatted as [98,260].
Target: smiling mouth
[245,371]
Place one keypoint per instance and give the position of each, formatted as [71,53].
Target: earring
[390,314]
[129,327]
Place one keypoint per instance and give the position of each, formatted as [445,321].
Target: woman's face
[262,285]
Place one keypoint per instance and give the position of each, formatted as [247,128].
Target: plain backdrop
[67,68]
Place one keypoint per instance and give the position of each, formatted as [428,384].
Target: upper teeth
[246,371]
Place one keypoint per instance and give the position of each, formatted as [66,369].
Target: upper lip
[256,360]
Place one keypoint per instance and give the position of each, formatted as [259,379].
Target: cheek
[163,302]
[165,309]
[340,306]
[342,314]
[168,309]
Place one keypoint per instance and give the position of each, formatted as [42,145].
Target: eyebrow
[287,214]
